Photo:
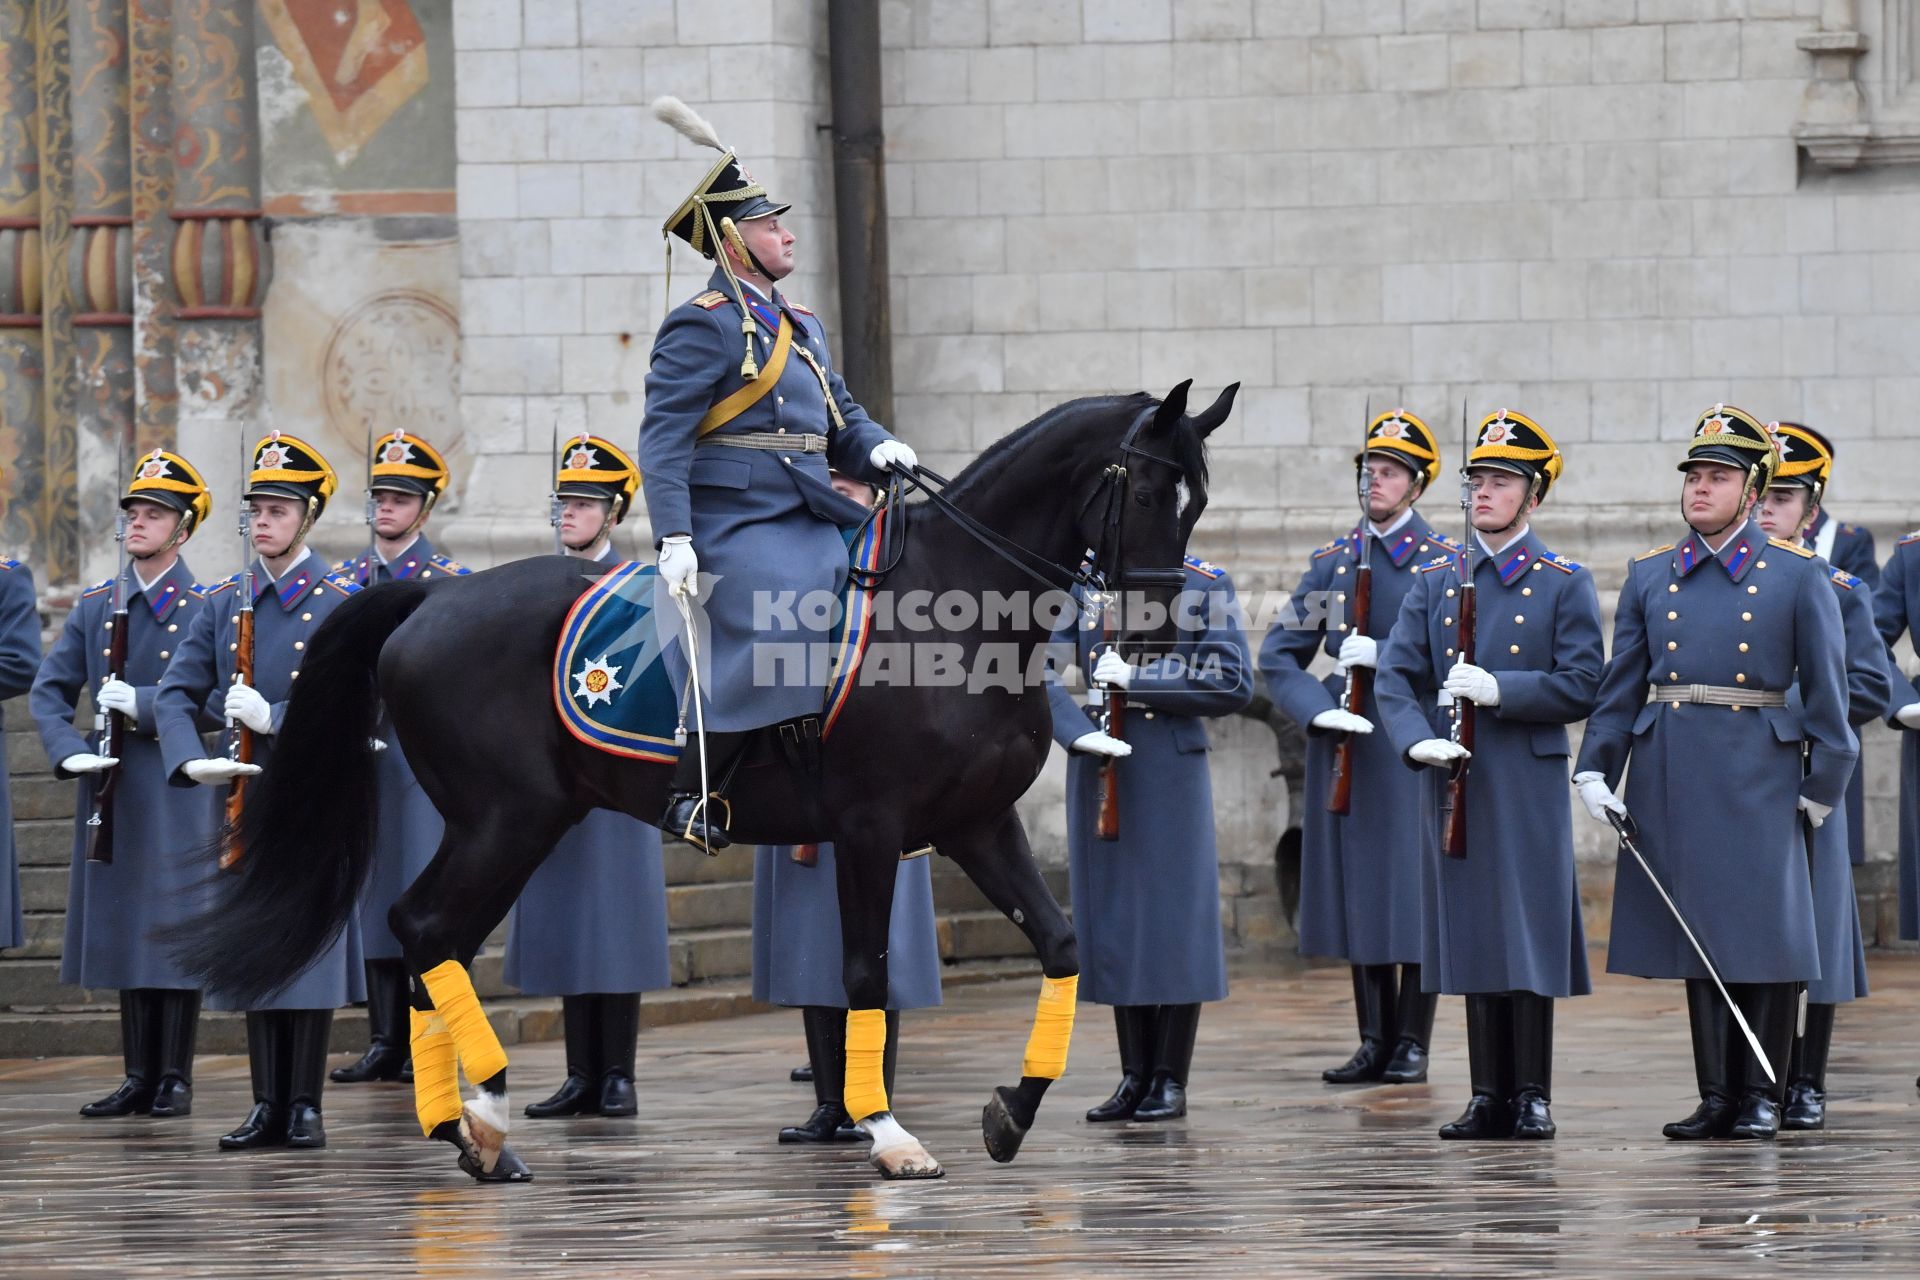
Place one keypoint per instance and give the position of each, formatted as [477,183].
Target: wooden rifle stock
[1453,809]
[1113,724]
[242,749]
[1359,681]
[807,855]
[113,729]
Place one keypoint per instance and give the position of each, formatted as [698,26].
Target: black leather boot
[619,1046]
[308,1030]
[578,1094]
[1532,1059]
[139,1049]
[1712,1026]
[1807,1077]
[1489,1037]
[265,1125]
[387,1019]
[827,1052]
[1414,1010]
[1134,1025]
[1175,1027]
[1373,1003]
[704,826]
[1772,1010]
[179,1026]
[802,1074]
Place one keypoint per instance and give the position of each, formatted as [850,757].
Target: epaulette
[1849,528]
[197,591]
[449,564]
[1438,562]
[344,565]
[1203,568]
[803,310]
[1434,535]
[710,299]
[9,563]
[96,588]
[1794,547]
[1558,561]
[1657,551]
[346,586]
[1912,537]
[1841,578]
[1320,553]
[232,580]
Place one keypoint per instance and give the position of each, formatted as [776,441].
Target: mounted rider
[744,413]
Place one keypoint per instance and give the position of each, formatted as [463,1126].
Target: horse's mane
[1189,450]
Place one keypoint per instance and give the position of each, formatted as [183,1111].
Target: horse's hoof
[1003,1133]
[481,1140]
[507,1167]
[906,1160]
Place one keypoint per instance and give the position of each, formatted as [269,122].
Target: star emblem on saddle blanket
[597,681]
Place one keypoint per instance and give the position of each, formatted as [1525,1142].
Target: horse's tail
[307,832]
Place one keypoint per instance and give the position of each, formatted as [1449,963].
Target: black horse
[464,668]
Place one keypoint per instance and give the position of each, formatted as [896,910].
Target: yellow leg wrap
[481,1056]
[1052,1028]
[436,1073]
[866,1089]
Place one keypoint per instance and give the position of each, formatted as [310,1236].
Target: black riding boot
[265,1125]
[1489,1063]
[1532,1048]
[702,826]
[179,1026]
[619,1046]
[1175,1027]
[1134,1024]
[139,1047]
[1772,1009]
[387,1020]
[1414,1009]
[1373,1002]
[577,1094]
[1807,1077]
[827,1052]
[306,1074]
[1712,1027]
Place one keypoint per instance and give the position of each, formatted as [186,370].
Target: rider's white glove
[1815,811]
[1909,716]
[246,706]
[217,769]
[1359,651]
[1437,752]
[678,563]
[1475,684]
[86,762]
[1340,720]
[1113,669]
[1597,796]
[893,453]
[1101,744]
[117,695]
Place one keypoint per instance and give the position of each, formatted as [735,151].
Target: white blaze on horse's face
[1184,494]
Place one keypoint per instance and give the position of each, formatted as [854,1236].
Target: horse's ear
[1214,414]
[1173,408]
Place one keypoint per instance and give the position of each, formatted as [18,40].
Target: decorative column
[1834,125]
[156,397]
[22,367]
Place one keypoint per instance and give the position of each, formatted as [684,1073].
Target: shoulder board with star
[709,300]
[344,584]
[1434,535]
[447,564]
[803,310]
[352,562]
[1322,552]
[1657,551]
[97,588]
[1796,548]
[1558,561]
[1204,568]
[1438,562]
[1841,578]
[232,580]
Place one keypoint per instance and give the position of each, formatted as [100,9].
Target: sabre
[682,593]
[1624,826]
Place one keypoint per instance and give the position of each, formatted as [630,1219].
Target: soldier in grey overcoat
[591,925]
[734,446]
[1709,636]
[19,659]
[287,489]
[1502,924]
[1360,871]
[405,478]
[1790,503]
[156,876]
[1146,906]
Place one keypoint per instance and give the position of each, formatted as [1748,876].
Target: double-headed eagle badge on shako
[583,459]
[597,681]
[273,457]
[397,452]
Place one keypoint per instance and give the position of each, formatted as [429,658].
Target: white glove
[84,762]
[678,564]
[1359,651]
[1815,811]
[1340,720]
[1101,744]
[1475,684]
[1597,796]
[117,695]
[893,453]
[216,770]
[1113,669]
[1909,716]
[245,705]
[1437,752]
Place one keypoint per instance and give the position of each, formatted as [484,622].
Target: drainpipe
[860,204]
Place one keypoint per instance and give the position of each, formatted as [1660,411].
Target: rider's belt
[1716,695]
[772,441]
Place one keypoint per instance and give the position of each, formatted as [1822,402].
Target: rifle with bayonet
[111,726]
[1453,805]
[553,494]
[1353,698]
[373,530]
[1112,707]
[239,737]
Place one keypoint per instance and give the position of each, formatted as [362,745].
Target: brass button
[319,591]
[1538,565]
[1526,591]
[234,618]
[1739,677]
[1449,593]
[1672,616]
[1341,569]
[165,654]
[295,673]
[1672,645]
[1673,586]
[299,644]
[1423,546]
[234,645]
[1513,648]
[1753,591]
[306,617]
[1759,564]
[1340,595]
[1736,708]
[1673,675]
[1449,653]
[106,653]
[173,626]
[1343,626]
[1746,617]
[1743,646]
[1676,706]
[1148,714]
[1446,622]
[1519,618]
